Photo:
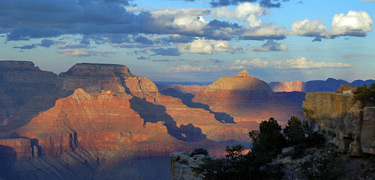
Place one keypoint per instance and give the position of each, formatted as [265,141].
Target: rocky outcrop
[288,86]
[184,165]
[342,120]
[346,89]
[368,130]
[19,149]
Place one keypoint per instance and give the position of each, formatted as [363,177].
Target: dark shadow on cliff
[8,156]
[153,113]
[187,100]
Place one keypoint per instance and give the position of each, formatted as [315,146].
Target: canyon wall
[106,116]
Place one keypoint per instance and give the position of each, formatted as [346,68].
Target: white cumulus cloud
[252,13]
[267,31]
[308,28]
[354,23]
[184,20]
[203,46]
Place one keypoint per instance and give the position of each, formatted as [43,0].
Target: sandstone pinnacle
[243,73]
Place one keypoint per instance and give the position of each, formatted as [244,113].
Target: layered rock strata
[112,110]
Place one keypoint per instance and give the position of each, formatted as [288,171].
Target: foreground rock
[343,120]
[184,165]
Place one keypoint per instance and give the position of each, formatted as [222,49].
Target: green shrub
[268,140]
[294,132]
[366,95]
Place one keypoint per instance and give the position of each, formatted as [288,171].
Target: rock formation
[184,165]
[249,100]
[106,116]
[342,120]
[95,77]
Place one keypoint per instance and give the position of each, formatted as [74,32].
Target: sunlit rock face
[92,121]
[105,119]
[335,113]
[342,119]
[249,100]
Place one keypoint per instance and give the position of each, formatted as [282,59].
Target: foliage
[238,166]
[294,132]
[199,151]
[366,95]
[268,140]
[234,152]
[267,144]
[234,166]
[303,140]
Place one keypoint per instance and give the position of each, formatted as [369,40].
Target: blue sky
[195,40]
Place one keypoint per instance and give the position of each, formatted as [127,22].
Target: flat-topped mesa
[17,65]
[98,70]
[96,77]
[24,72]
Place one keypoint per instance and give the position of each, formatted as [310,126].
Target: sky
[195,40]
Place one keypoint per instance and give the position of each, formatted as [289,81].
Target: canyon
[101,121]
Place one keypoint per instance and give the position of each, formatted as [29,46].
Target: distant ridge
[330,84]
